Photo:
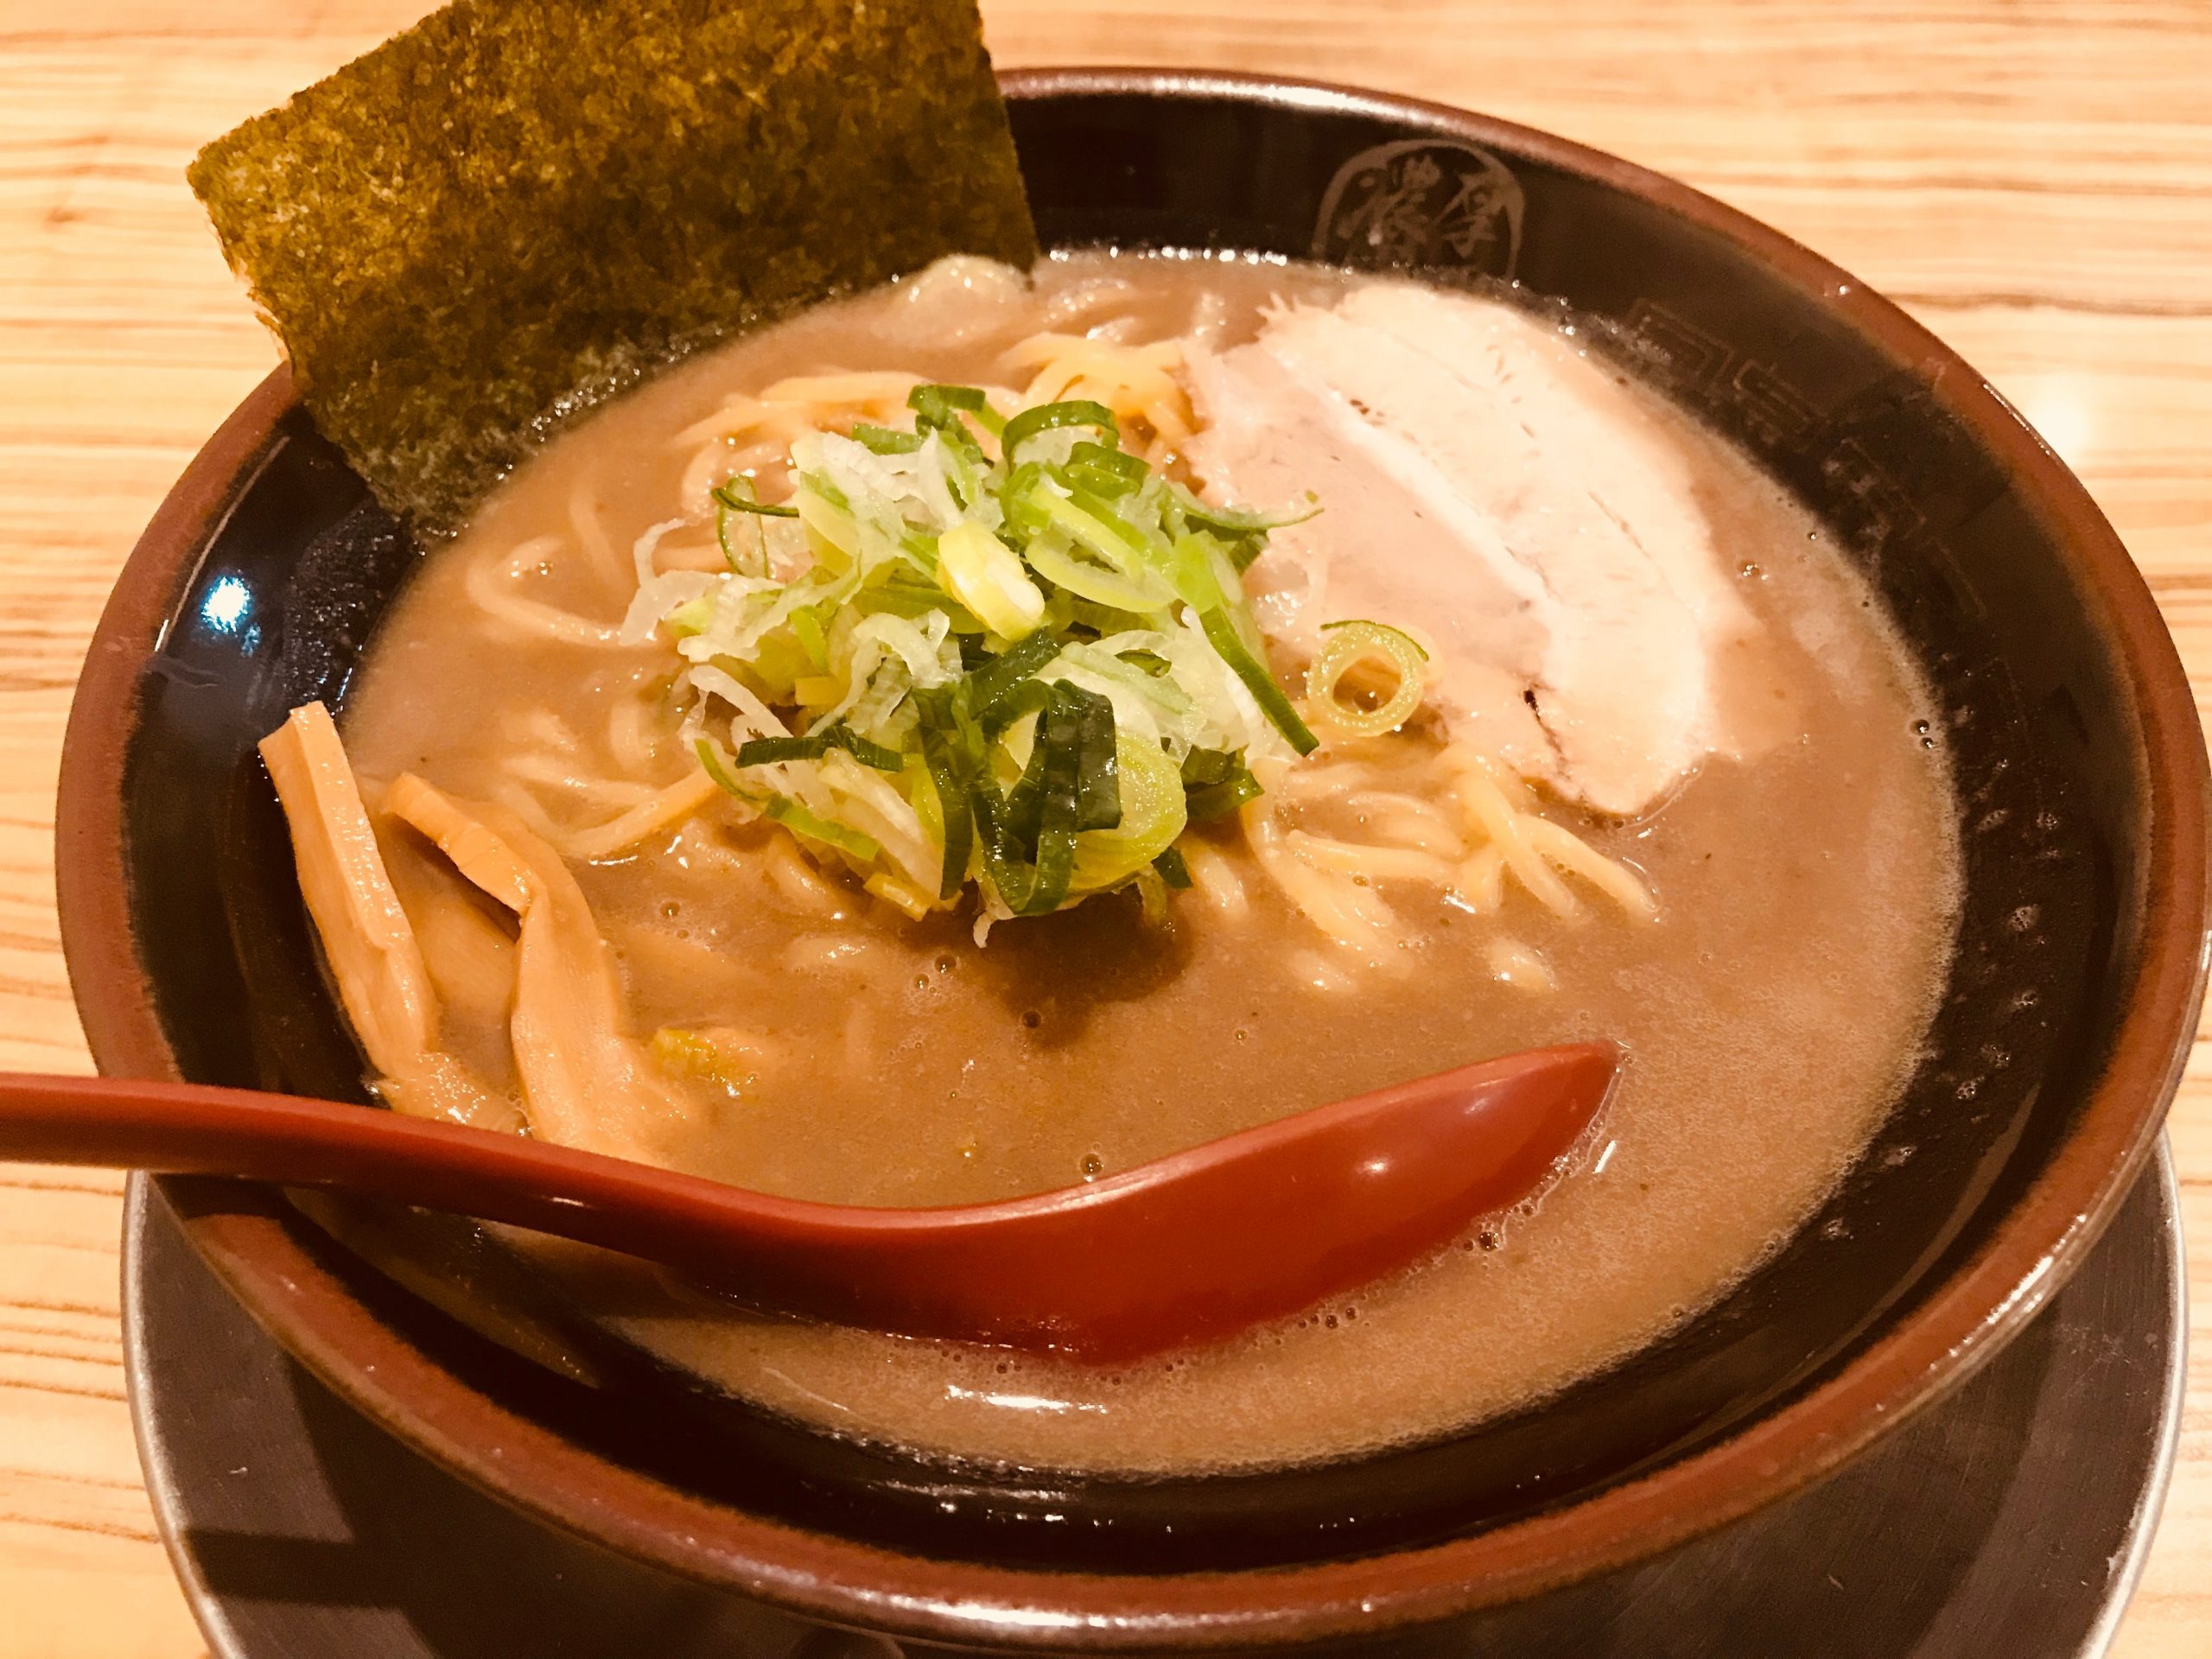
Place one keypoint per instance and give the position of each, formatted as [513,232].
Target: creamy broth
[1806,900]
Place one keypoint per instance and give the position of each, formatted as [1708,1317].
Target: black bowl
[2080,774]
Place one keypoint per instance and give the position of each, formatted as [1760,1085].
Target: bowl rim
[251,1237]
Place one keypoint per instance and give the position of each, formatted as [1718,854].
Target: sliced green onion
[1098,777]
[1204,766]
[1073,715]
[1420,650]
[1346,646]
[903,593]
[778,665]
[767,750]
[1027,888]
[1234,523]
[1110,471]
[1104,522]
[1152,816]
[886,440]
[935,402]
[832,530]
[977,568]
[1022,502]
[1046,418]
[1218,782]
[1102,619]
[727,495]
[921,549]
[1024,697]
[1207,802]
[952,756]
[711,762]
[1221,633]
[686,620]
[1138,595]
[806,627]
[990,707]
[800,821]
[941,407]
[938,409]
[984,688]
[1035,884]
[897,890]
[1021,814]
[1191,566]
[738,495]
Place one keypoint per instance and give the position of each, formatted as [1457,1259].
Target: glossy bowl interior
[2082,783]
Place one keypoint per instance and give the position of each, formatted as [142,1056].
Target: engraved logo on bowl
[1421,202]
[1863,500]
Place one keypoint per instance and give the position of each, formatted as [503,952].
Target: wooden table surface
[2032,178]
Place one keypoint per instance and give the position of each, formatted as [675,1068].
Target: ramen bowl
[2081,780]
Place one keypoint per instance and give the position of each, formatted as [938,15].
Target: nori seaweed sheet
[518,207]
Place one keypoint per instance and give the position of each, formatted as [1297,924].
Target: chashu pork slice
[1486,483]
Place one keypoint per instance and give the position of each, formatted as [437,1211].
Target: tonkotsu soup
[1450,695]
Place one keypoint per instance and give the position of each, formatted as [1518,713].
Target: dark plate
[2010,1519]
[2082,780]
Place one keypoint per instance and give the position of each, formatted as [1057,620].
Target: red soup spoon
[1187,1248]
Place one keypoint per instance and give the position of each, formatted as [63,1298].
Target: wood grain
[2033,177]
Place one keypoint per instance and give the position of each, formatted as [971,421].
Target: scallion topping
[803,823]
[1029,672]
[1359,645]
[939,407]
[737,495]
[1045,417]
[1261,683]
[1216,784]
[886,441]
[1107,471]
[769,751]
